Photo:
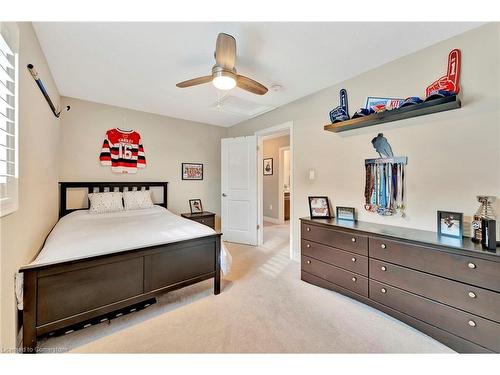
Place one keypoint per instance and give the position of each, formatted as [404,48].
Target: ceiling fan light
[223,82]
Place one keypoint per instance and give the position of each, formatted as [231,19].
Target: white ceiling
[136,65]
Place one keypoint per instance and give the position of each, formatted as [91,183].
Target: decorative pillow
[105,202]
[135,200]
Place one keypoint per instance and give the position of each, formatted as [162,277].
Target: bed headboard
[105,186]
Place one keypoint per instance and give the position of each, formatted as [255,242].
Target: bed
[113,260]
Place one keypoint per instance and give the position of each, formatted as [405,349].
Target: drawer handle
[354,279]
[471,265]
[383,246]
[202,220]
[308,245]
[353,239]
[383,268]
[308,262]
[353,259]
[308,229]
[472,323]
[472,295]
[383,290]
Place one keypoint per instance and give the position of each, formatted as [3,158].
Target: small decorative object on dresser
[346,213]
[450,224]
[268,166]
[319,207]
[195,206]
[204,217]
[192,171]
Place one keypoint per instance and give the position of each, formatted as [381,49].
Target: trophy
[485,211]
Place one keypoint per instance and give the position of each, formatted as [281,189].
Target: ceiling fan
[224,76]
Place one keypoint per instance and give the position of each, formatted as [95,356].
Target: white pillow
[105,202]
[135,200]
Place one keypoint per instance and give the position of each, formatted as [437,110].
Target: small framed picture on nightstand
[195,206]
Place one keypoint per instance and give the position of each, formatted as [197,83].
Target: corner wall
[23,231]
[167,141]
[452,156]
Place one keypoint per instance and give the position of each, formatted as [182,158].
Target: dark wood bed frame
[62,294]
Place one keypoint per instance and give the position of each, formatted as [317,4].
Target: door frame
[273,131]
[281,181]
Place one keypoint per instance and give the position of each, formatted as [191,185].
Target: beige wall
[452,156]
[23,231]
[270,184]
[168,142]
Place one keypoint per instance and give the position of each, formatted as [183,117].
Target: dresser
[447,288]
[205,217]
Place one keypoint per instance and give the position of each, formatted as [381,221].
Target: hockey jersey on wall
[123,151]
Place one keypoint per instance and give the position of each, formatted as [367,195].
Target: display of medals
[485,211]
[385,177]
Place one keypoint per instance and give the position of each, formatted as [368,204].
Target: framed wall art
[319,208]
[268,166]
[192,171]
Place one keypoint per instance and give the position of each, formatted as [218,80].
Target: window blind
[8,128]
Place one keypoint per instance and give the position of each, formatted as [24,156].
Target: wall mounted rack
[426,108]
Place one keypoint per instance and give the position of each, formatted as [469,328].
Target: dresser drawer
[475,300]
[469,270]
[346,279]
[341,240]
[468,326]
[340,258]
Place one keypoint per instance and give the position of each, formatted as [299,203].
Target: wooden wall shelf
[426,108]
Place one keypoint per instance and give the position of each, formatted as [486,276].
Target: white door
[239,190]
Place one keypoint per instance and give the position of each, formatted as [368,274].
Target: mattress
[81,234]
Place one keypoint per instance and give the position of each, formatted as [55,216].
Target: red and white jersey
[123,151]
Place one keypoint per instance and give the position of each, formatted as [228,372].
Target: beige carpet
[264,307]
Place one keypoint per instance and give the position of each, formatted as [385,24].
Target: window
[9,166]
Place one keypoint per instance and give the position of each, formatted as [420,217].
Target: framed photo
[195,206]
[319,207]
[192,171]
[450,224]
[345,213]
[268,166]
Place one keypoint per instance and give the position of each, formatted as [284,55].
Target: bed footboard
[60,295]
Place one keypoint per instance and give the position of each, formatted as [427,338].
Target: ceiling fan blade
[249,84]
[225,51]
[194,81]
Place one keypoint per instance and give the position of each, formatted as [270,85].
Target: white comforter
[81,234]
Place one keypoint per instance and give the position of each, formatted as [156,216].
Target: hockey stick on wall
[39,82]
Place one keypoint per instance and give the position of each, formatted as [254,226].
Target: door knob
[224,195]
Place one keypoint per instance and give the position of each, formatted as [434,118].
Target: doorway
[275,183]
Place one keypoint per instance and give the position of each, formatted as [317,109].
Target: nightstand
[205,217]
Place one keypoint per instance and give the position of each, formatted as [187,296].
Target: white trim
[271,220]
[278,130]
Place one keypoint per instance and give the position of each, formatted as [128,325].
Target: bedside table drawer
[208,221]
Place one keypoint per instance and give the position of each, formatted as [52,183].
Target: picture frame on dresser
[345,213]
[450,224]
[319,207]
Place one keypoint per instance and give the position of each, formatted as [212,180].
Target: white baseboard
[272,220]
